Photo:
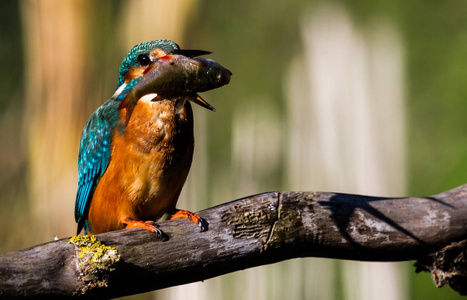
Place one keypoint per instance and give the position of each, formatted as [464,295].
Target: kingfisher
[136,149]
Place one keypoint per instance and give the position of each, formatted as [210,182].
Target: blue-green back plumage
[96,140]
[94,156]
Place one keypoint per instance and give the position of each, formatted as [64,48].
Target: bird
[135,155]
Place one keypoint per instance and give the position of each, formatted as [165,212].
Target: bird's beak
[200,101]
[190,53]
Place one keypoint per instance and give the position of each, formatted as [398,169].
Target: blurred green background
[352,96]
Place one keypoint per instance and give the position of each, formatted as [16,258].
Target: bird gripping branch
[136,149]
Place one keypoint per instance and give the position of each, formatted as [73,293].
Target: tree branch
[248,232]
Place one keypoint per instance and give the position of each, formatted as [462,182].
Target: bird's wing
[93,159]
[95,149]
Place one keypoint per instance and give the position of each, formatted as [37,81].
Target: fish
[174,76]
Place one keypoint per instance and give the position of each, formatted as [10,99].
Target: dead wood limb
[248,232]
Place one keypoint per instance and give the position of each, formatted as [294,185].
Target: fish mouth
[201,102]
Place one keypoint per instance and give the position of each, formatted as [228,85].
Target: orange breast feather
[150,160]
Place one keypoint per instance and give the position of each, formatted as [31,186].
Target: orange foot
[148,225]
[179,213]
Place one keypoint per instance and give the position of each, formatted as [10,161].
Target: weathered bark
[252,231]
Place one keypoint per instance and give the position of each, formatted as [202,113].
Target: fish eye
[144,59]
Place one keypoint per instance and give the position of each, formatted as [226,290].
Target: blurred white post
[346,132]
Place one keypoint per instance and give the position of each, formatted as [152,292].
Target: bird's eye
[144,60]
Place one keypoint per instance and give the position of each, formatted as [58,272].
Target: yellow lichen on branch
[98,252]
[96,261]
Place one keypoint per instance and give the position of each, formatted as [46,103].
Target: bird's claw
[148,225]
[190,216]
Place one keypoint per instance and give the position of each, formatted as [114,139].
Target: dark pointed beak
[201,102]
[191,53]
